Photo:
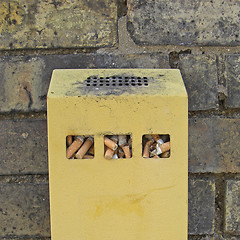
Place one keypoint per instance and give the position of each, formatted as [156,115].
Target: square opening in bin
[80,147]
[156,146]
[117,146]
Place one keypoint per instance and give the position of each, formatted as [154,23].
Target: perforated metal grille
[116,81]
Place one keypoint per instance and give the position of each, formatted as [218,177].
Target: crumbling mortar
[174,57]
[222,88]
[39,52]
[220,193]
[15,115]
[219,203]
[122,8]
[199,237]
[222,113]
[25,237]
[25,178]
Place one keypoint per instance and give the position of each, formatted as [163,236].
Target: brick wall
[202,38]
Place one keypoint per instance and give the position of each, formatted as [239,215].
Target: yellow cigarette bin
[118,143]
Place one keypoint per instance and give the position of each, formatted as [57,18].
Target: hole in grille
[116,81]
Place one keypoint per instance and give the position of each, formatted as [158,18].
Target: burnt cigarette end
[146,149]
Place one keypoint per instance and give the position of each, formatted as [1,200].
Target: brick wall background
[202,38]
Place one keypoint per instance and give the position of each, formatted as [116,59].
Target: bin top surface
[107,82]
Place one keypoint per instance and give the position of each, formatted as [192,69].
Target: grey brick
[54,24]
[22,83]
[232,207]
[24,210]
[23,147]
[233,80]
[26,238]
[201,206]
[200,77]
[212,237]
[25,80]
[214,145]
[184,22]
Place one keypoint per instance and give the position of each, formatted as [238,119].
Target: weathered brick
[233,80]
[25,80]
[200,77]
[184,22]
[201,206]
[232,207]
[53,24]
[230,238]
[24,210]
[214,145]
[23,147]
[212,237]
[22,84]
[27,238]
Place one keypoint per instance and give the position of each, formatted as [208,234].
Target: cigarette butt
[160,141]
[160,148]
[69,140]
[91,150]
[82,151]
[165,155]
[155,137]
[122,140]
[109,153]
[121,153]
[126,151]
[147,148]
[115,156]
[109,143]
[153,146]
[77,143]
[88,156]
[165,147]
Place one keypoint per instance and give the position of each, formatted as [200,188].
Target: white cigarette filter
[114,138]
[122,140]
[115,156]
[161,148]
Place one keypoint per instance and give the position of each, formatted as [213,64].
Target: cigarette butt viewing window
[156,146]
[117,146]
[80,147]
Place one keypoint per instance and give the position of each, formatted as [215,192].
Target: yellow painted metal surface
[119,199]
